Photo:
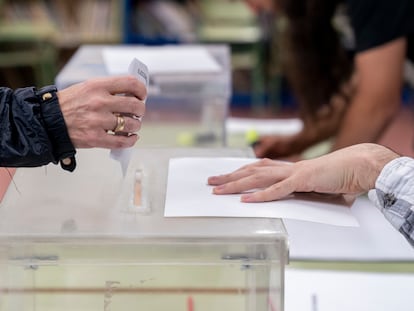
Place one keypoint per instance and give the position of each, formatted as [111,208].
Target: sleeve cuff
[397,177]
[63,149]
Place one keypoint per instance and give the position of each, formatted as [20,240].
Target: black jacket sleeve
[32,128]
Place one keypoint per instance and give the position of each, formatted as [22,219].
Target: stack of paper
[167,59]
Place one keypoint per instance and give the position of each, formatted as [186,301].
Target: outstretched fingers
[239,185]
[275,192]
[244,171]
[251,178]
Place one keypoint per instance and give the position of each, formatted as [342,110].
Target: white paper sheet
[313,290]
[164,59]
[188,195]
[264,126]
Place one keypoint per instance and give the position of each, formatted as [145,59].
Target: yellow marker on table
[251,136]
[186,139]
[189,139]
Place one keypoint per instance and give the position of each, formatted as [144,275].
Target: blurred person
[263,5]
[39,126]
[350,98]
[353,170]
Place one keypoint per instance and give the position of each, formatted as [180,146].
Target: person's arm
[377,94]
[394,195]
[376,97]
[352,170]
[324,126]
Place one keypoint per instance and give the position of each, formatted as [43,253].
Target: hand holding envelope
[140,71]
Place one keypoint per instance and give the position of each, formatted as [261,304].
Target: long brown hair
[315,62]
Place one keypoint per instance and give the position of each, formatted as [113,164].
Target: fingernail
[218,189]
[246,198]
[139,118]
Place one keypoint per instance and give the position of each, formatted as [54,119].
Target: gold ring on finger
[120,124]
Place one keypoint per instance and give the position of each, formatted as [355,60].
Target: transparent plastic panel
[130,276]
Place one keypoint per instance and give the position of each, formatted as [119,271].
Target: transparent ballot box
[186,107]
[73,242]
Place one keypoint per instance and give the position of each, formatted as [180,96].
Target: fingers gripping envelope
[140,71]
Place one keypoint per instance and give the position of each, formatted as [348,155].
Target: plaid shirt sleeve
[394,195]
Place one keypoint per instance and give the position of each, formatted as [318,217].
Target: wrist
[376,158]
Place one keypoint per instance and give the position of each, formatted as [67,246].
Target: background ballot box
[72,242]
[189,92]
